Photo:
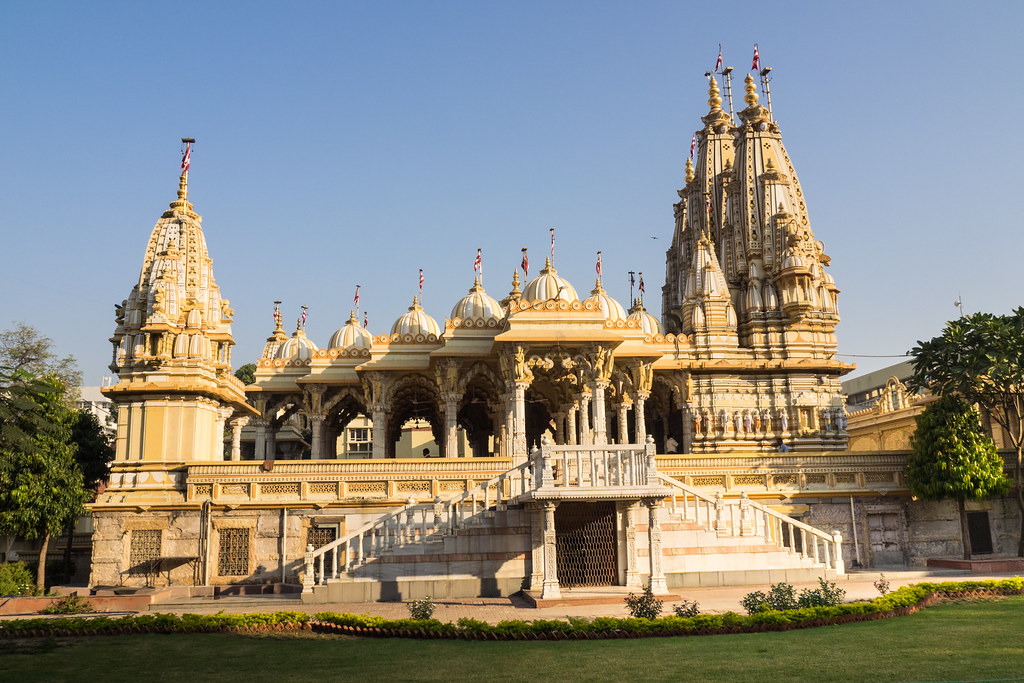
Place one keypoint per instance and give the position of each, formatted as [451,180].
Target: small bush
[755,602]
[687,609]
[69,604]
[882,584]
[16,579]
[782,596]
[826,595]
[422,608]
[645,605]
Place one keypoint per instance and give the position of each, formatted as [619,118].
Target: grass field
[977,641]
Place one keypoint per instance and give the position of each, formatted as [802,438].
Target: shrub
[782,596]
[645,605]
[16,579]
[686,609]
[422,608]
[882,584]
[69,604]
[755,602]
[826,595]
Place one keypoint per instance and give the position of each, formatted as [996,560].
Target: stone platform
[989,565]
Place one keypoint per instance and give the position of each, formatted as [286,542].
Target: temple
[581,442]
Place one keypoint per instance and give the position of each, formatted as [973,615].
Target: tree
[41,485]
[981,357]
[24,348]
[954,458]
[93,450]
[247,373]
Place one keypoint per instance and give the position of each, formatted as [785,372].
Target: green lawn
[978,641]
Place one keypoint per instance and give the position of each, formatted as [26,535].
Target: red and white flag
[478,265]
[599,264]
[366,320]
[718,64]
[641,282]
[277,312]
[693,144]
[552,244]
[304,308]
[421,281]
[755,65]
[525,264]
[186,158]
[356,299]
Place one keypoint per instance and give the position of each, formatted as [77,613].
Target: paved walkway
[858,585]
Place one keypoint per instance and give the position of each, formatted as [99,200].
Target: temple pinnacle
[689,170]
[748,85]
[714,101]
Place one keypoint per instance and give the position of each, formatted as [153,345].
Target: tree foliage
[981,357]
[246,373]
[24,348]
[93,450]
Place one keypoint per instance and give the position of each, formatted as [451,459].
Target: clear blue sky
[345,143]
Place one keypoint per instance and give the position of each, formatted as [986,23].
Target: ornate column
[316,423]
[639,417]
[632,570]
[451,427]
[236,436]
[550,588]
[271,442]
[379,436]
[657,582]
[218,433]
[571,419]
[586,438]
[261,440]
[536,512]
[559,419]
[600,414]
[519,447]
[624,406]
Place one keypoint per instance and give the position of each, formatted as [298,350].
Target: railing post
[720,516]
[437,515]
[652,469]
[837,544]
[542,463]
[746,523]
[308,580]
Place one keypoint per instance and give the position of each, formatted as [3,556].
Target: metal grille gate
[585,544]
[319,536]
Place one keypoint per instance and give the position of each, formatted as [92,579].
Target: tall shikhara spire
[743,196]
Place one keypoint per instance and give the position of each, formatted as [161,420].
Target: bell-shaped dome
[611,308]
[416,322]
[298,347]
[548,286]
[351,336]
[647,322]
[477,305]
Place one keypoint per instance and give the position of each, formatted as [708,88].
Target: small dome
[647,322]
[548,286]
[416,322]
[477,304]
[298,346]
[351,336]
[611,308]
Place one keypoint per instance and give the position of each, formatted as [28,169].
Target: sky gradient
[353,143]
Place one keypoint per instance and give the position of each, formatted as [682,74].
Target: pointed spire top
[547,265]
[751,89]
[689,170]
[714,101]
[415,303]
[352,317]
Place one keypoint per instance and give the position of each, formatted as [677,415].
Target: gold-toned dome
[611,308]
[647,322]
[548,286]
[298,347]
[415,321]
[351,336]
[477,305]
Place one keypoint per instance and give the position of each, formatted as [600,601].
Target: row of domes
[478,306]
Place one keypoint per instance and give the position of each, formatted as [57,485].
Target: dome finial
[714,101]
[689,170]
[748,86]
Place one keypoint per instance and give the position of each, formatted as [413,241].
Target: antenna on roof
[767,93]
[727,71]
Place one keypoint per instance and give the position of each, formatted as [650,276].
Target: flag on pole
[277,312]
[525,264]
[599,264]
[755,65]
[632,280]
[693,144]
[478,265]
[356,299]
[718,64]
[304,316]
[552,244]
[421,281]
[366,320]
[641,282]
[186,158]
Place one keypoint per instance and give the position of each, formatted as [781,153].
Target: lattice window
[323,487]
[707,480]
[846,478]
[378,487]
[878,477]
[413,487]
[280,489]
[785,480]
[234,489]
[817,479]
[203,490]
[233,556]
[452,486]
[145,547]
[748,480]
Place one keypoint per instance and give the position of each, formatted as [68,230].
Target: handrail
[410,523]
[749,518]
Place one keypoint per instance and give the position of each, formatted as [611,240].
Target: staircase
[479,542]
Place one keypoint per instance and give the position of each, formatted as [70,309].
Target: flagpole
[184,171]
[767,93]
[727,72]
[631,274]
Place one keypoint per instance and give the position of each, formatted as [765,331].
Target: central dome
[416,322]
[647,322]
[548,286]
[477,305]
[351,336]
[298,346]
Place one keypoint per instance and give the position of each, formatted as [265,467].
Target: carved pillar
[632,568]
[571,419]
[519,447]
[559,418]
[261,440]
[451,427]
[379,436]
[316,422]
[536,545]
[586,437]
[550,588]
[658,584]
[639,417]
[623,422]
[600,414]
[271,442]
[236,436]
[218,433]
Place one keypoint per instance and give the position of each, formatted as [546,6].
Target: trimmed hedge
[154,623]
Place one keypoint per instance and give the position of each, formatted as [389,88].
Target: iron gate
[585,544]
[319,536]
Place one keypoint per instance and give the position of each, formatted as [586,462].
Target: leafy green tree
[954,458]
[94,452]
[41,485]
[981,357]
[24,348]
[246,373]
